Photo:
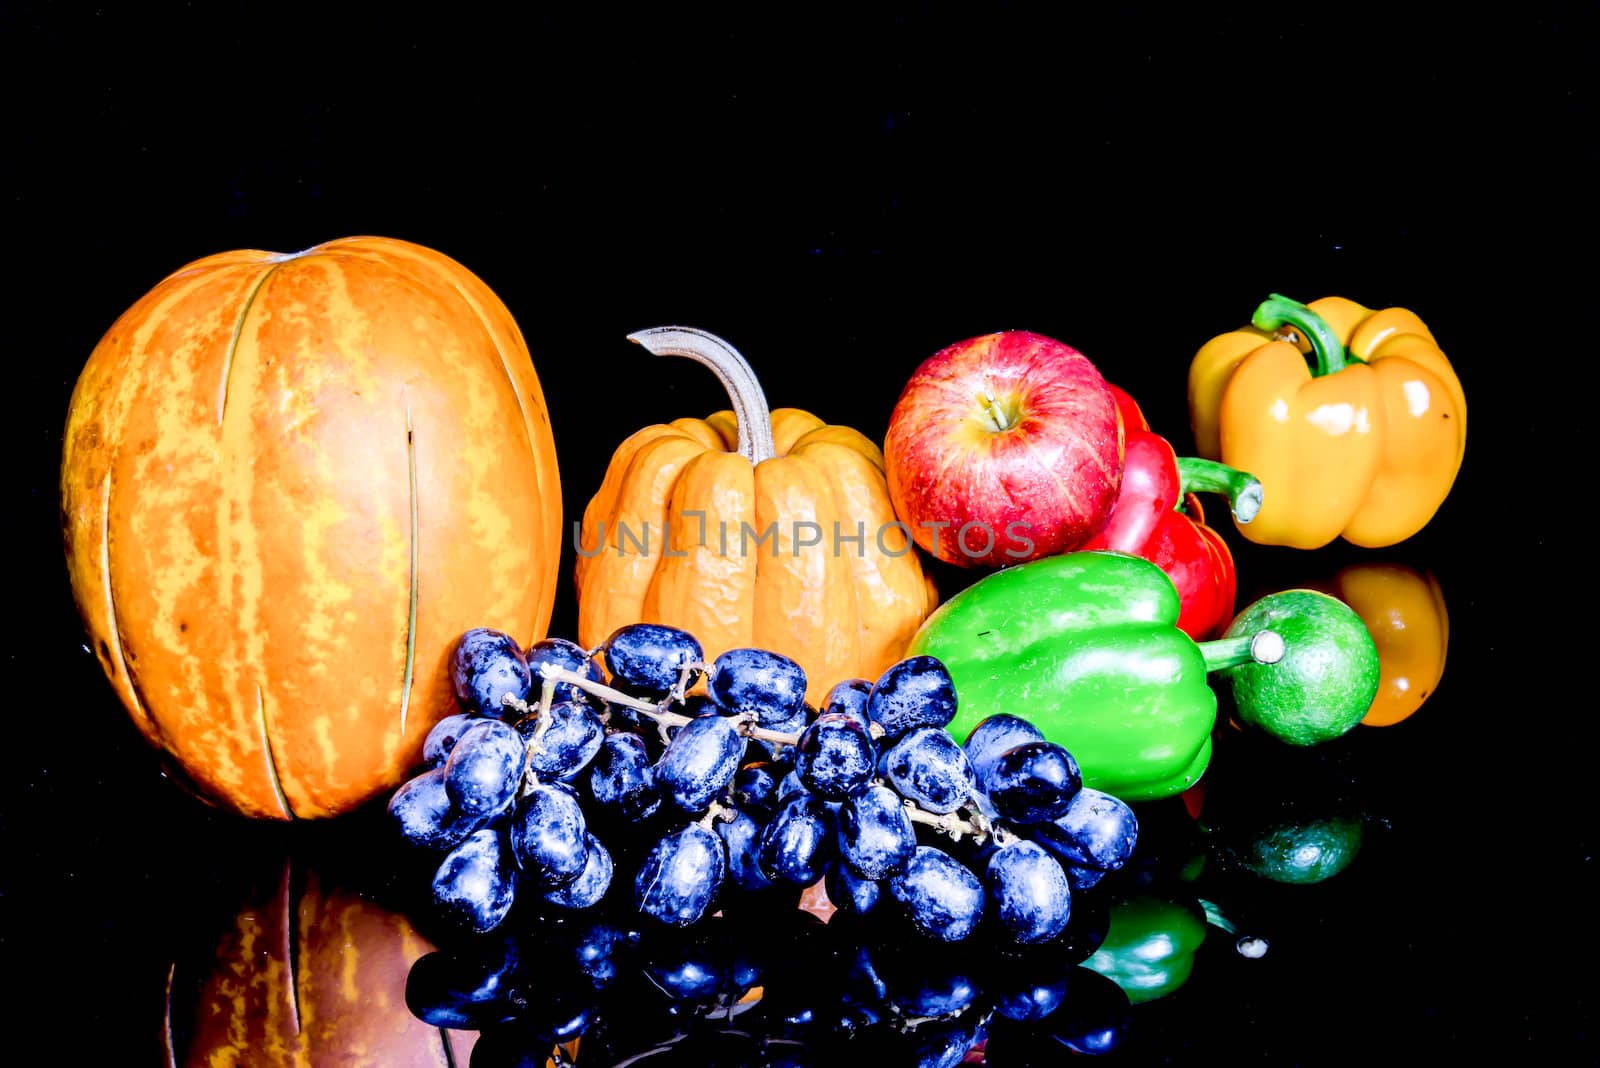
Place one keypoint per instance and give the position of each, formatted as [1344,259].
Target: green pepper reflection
[1150,945]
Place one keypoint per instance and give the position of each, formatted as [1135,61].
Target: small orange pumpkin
[284,480]
[750,528]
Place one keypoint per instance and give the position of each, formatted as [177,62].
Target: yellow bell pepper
[1404,611]
[1363,442]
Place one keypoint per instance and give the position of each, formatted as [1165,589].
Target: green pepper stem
[1243,490]
[1278,311]
[1215,916]
[1251,947]
[1262,647]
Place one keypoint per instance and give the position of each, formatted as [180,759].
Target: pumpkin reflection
[310,973]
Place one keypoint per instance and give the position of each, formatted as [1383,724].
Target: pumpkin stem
[750,409]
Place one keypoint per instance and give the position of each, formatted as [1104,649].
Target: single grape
[680,876]
[758,682]
[863,982]
[755,790]
[559,653]
[594,946]
[592,882]
[1087,928]
[876,835]
[549,836]
[1081,878]
[699,762]
[794,724]
[928,766]
[798,844]
[442,738]
[834,755]
[1095,1017]
[993,736]
[916,692]
[649,658]
[485,667]
[1033,782]
[516,1045]
[476,882]
[942,898]
[692,974]
[741,835]
[1096,831]
[715,961]
[1029,892]
[756,751]
[698,704]
[561,1012]
[931,987]
[485,767]
[788,780]
[938,1044]
[949,1043]
[622,779]
[850,892]
[471,986]
[426,816]
[622,718]
[568,744]
[849,698]
[1030,988]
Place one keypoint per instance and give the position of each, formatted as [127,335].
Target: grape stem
[976,826]
[659,712]
[530,778]
[717,811]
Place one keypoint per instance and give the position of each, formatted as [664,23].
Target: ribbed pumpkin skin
[844,615]
[269,460]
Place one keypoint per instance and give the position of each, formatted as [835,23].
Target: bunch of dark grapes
[575,776]
[776,989]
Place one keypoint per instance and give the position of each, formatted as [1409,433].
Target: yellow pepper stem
[1277,312]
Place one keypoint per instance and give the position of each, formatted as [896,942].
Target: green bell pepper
[1085,646]
[1149,946]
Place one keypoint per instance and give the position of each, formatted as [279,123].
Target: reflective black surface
[840,196]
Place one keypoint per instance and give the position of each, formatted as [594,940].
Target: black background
[840,194]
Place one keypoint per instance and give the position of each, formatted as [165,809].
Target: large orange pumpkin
[310,974]
[289,483]
[752,528]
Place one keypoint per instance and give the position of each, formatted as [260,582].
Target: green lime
[1303,853]
[1328,674]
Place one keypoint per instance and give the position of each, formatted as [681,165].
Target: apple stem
[750,409]
[996,414]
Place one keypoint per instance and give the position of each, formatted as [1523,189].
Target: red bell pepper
[1157,516]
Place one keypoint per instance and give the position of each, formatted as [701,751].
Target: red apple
[1004,448]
